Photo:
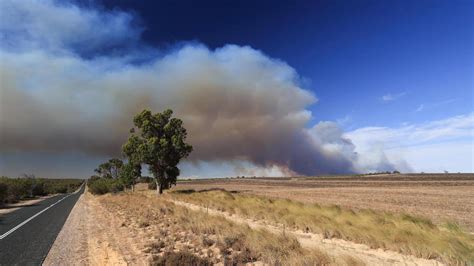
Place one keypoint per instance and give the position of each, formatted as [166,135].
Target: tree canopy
[110,169]
[129,174]
[159,141]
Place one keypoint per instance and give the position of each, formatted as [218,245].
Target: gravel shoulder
[87,238]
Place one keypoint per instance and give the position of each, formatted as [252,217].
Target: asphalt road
[30,242]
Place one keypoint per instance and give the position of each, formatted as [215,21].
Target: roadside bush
[180,258]
[39,189]
[116,186]
[66,186]
[100,186]
[145,179]
[54,186]
[152,185]
[15,189]
[3,193]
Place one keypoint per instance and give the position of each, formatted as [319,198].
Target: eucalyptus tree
[158,140]
[110,169]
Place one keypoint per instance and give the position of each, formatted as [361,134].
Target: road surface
[27,234]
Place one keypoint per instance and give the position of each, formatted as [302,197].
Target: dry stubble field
[235,228]
[439,197]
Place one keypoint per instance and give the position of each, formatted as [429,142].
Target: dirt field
[439,197]
[142,229]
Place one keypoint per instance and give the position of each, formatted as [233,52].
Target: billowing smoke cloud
[237,103]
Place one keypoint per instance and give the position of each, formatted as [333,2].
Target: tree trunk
[161,188]
[157,187]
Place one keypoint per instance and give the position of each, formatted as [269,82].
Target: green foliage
[129,174]
[3,193]
[145,179]
[152,185]
[53,186]
[160,143]
[16,189]
[100,186]
[112,176]
[110,169]
[39,189]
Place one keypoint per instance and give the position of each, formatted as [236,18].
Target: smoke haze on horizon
[239,105]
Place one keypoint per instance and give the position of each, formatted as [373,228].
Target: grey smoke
[236,102]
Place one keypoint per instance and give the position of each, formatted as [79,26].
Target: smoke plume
[70,91]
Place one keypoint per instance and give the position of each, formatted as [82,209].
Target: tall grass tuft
[403,233]
[239,244]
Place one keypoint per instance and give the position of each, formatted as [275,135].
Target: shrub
[16,189]
[100,186]
[3,193]
[38,189]
[116,186]
[180,258]
[152,185]
[145,179]
[53,186]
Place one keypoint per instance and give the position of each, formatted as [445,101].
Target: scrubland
[439,197]
[196,224]
[142,228]
[402,233]
[210,238]
[13,190]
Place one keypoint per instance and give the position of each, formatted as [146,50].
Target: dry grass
[398,232]
[176,229]
[439,197]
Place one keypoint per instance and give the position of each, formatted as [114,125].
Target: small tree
[116,167]
[160,143]
[28,183]
[128,175]
[103,170]
[110,169]
[133,169]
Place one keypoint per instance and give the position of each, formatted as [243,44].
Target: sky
[265,87]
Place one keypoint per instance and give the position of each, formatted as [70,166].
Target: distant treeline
[102,185]
[382,173]
[15,189]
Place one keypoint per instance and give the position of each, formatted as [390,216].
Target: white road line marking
[32,217]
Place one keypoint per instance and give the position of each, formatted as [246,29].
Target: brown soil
[439,197]
[131,229]
[125,229]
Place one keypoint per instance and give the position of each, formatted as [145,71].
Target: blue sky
[264,87]
[351,53]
